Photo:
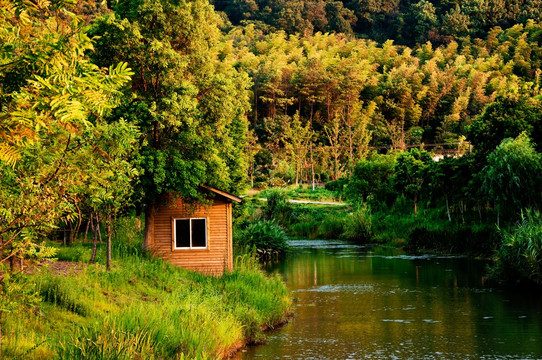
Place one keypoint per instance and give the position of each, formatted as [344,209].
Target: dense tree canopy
[188,104]
[404,21]
[358,94]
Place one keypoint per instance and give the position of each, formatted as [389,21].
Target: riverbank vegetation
[142,308]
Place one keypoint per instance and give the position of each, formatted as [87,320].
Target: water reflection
[356,302]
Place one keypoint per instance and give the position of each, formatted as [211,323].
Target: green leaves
[411,173]
[56,149]
[512,174]
[190,107]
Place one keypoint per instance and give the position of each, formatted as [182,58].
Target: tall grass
[267,238]
[145,308]
[359,226]
[520,255]
[277,207]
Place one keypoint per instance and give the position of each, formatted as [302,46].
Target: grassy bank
[143,309]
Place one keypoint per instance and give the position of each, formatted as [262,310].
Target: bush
[359,226]
[337,186]
[267,237]
[520,254]
[277,207]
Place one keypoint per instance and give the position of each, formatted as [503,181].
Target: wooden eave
[222,193]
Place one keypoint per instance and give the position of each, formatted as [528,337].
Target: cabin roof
[222,193]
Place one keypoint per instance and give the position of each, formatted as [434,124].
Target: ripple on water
[323,244]
[345,288]
[416,257]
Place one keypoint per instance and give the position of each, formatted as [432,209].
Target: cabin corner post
[230,236]
[148,238]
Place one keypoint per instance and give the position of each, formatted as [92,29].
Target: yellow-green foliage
[145,309]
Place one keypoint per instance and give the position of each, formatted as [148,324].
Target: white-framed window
[190,233]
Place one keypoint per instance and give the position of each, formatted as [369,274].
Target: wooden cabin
[195,237]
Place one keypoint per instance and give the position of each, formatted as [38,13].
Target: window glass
[199,238]
[182,233]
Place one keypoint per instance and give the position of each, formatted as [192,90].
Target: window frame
[190,227]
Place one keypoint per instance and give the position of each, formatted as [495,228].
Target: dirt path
[312,202]
[58,267]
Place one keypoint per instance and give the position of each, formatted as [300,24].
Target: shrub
[277,207]
[267,237]
[359,226]
[372,177]
[337,186]
[520,254]
[332,227]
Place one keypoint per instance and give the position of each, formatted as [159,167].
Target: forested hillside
[340,95]
[404,21]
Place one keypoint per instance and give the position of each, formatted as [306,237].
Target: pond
[356,302]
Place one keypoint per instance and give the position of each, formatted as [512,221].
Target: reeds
[520,255]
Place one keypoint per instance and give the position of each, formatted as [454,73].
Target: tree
[447,178]
[411,173]
[54,103]
[110,177]
[507,117]
[296,140]
[425,18]
[372,177]
[189,104]
[340,19]
[512,177]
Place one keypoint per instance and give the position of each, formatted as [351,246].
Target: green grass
[143,308]
[305,192]
[315,221]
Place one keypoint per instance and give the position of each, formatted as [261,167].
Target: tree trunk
[312,168]
[12,262]
[448,209]
[98,230]
[109,232]
[68,234]
[86,230]
[255,120]
[1,313]
[297,166]
[148,238]
[336,165]
[461,206]
[415,206]
[479,212]
[75,233]
[94,241]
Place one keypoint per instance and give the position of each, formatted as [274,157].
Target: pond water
[356,302]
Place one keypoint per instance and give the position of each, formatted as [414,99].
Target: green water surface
[356,302]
